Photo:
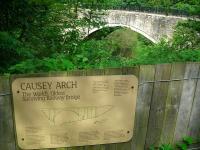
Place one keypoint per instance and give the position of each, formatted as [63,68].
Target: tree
[45,29]
[186,35]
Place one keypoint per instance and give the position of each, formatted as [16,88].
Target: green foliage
[166,147]
[186,35]
[19,14]
[12,51]
[56,63]
[39,36]
[193,7]
[183,145]
[91,53]
[36,30]
[185,46]
[188,140]
[151,147]
[122,42]
[190,7]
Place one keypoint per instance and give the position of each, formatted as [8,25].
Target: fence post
[7,136]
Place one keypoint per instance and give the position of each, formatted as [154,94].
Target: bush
[12,51]
[56,63]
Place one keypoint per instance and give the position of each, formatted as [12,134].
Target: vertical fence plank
[7,138]
[76,73]
[172,103]
[158,105]
[194,124]
[112,72]
[134,71]
[145,89]
[124,145]
[95,72]
[187,98]
[128,71]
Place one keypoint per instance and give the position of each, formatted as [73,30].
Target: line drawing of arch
[123,25]
[76,113]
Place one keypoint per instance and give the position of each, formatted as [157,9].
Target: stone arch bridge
[152,26]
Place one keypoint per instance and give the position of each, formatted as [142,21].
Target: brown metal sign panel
[64,111]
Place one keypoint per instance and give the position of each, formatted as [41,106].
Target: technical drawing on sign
[55,115]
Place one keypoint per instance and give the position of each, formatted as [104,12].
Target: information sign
[65,111]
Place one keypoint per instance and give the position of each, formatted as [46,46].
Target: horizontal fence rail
[168,106]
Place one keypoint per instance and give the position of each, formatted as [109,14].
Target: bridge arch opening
[120,41]
[125,26]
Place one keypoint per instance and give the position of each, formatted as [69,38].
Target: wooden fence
[168,106]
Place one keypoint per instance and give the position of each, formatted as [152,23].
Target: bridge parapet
[140,8]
